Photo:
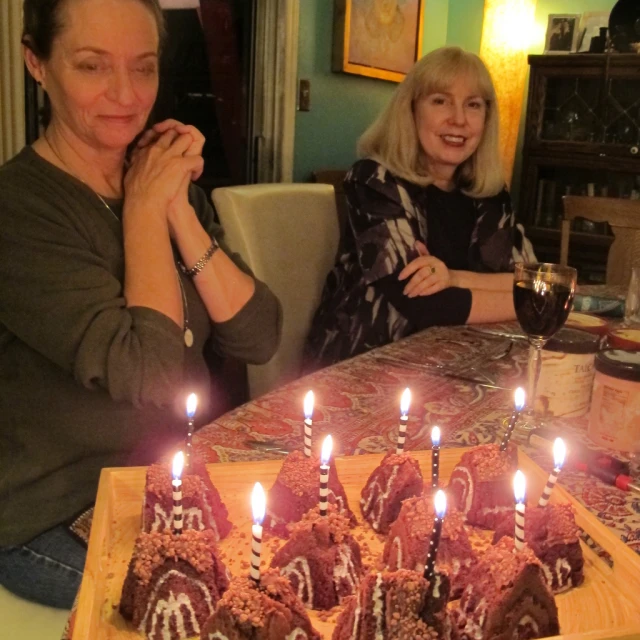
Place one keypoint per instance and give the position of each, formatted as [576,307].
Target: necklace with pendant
[187,334]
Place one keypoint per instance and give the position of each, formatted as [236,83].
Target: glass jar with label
[614,420]
[566,374]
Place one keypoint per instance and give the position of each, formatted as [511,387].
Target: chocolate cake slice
[397,478]
[173,584]
[397,605]
[321,559]
[295,492]
[553,535]
[481,485]
[507,598]
[407,544]
[202,506]
[268,611]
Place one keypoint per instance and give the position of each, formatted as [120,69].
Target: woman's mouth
[456,141]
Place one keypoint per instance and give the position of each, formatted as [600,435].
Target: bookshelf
[582,137]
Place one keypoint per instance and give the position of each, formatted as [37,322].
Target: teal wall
[343,105]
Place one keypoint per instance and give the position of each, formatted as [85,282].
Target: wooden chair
[624,218]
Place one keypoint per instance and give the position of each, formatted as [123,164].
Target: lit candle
[519,491]
[405,402]
[258,506]
[308,422]
[518,406]
[192,405]
[324,474]
[559,454]
[435,456]
[440,504]
[176,483]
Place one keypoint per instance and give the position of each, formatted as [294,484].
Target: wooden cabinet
[582,137]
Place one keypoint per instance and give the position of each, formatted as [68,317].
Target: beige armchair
[288,234]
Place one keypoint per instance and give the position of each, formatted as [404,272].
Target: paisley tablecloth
[357,401]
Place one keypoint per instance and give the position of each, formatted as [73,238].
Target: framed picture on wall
[562,33]
[377,38]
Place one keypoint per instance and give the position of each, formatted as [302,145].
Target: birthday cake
[397,478]
[480,486]
[202,506]
[295,491]
[321,559]
[396,605]
[507,597]
[173,583]
[269,610]
[552,534]
[407,544]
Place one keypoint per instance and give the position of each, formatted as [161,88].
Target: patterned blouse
[387,215]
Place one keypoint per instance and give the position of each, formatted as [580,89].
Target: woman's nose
[457,114]
[121,88]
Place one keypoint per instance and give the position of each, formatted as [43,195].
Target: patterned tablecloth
[357,401]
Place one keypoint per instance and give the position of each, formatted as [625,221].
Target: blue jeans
[47,570]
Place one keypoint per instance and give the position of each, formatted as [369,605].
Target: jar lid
[573,341]
[619,364]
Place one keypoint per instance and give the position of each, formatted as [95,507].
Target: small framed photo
[562,33]
[590,25]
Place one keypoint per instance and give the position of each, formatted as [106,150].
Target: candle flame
[559,453]
[258,503]
[435,436]
[325,454]
[192,405]
[405,402]
[519,486]
[440,503]
[178,463]
[519,398]
[308,405]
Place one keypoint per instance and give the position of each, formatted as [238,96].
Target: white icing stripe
[164,610]
[192,518]
[380,499]
[297,634]
[303,573]
[344,570]
[378,607]
[466,497]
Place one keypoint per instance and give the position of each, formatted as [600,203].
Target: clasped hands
[163,163]
[428,274]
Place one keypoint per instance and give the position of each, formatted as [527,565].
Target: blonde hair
[392,140]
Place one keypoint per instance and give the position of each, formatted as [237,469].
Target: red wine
[541,312]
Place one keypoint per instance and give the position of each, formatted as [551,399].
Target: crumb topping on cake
[335,524]
[489,462]
[556,523]
[251,603]
[396,459]
[159,483]
[299,473]
[152,549]
[503,562]
[420,512]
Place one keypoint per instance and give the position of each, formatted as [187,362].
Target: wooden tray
[606,606]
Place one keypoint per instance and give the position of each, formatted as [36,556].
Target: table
[357,401]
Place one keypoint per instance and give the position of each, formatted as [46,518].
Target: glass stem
[535,361]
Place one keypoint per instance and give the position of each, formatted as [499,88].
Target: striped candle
[435,456]
[192,404]
[324,474]
[176,483]
[308,422]
[405,402]
[440,505]
[559,454]
[519,490]
[519,399]
[258,506]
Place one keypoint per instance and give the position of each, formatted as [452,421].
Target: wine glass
[542,296]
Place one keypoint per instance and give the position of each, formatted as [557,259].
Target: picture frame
[563,30]
[590,24]
[377,38]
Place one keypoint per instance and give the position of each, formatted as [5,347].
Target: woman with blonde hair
[432,235]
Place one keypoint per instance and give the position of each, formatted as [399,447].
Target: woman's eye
[90,67]
[146,70]
[438,100]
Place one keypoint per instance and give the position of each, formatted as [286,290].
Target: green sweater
[86,382]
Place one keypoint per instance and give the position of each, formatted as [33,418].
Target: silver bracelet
[198,266]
